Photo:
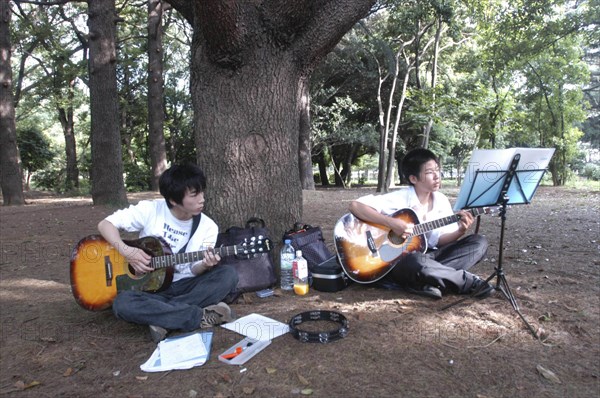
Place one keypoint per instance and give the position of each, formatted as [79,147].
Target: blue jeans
[445,267]
[181,305]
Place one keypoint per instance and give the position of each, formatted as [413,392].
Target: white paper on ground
[257,327]
[180,352]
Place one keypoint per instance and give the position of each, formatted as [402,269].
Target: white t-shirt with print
[153,218]
[406,197]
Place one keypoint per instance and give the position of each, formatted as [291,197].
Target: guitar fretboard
[423,228]
[191,257]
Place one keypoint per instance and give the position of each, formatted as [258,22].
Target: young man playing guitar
[443,267]
[194,298]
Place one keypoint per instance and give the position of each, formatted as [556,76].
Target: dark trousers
[181,305]
[445,268]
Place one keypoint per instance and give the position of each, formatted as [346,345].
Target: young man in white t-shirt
[444,265]
[194,298]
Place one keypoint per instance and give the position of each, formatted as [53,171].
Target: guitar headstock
[253,246]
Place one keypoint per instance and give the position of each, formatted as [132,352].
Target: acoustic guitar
[367,251]
[99,271]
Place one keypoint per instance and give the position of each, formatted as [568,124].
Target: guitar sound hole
[132,271]
[395,239]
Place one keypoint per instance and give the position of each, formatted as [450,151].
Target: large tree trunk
[248,63]
[11,178]
[156,113]
[65,115]
[107,165]
[249,149]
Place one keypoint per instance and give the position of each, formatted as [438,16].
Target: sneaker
[157,333]
[427,291]
[216,315]
[480,288]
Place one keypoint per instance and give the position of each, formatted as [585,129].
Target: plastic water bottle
[286,259]
[300,267]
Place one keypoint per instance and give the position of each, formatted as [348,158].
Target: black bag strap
[298,227]
[195,223]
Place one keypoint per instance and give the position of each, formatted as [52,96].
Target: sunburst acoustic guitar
[367,252]
[99,271]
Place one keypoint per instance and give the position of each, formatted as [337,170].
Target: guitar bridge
[108,270]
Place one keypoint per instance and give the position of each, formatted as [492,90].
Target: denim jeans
[445,267]
[181,305]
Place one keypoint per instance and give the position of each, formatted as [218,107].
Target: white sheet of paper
[179,352]
[257,327]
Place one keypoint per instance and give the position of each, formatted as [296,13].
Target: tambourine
[319,337]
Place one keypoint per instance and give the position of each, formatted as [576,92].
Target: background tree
[52,62]
[156,112]
[342,110]
[35,152]
[10,162]
[107,165]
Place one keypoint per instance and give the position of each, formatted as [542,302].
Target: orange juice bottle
[300,269]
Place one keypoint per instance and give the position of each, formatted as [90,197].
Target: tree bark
[156,112]
[248,65]
[11,178]
[107,164]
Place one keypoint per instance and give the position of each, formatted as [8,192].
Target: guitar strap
[195,222]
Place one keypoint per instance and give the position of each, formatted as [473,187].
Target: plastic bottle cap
[288,241]
[298,253]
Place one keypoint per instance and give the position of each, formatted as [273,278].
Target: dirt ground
[399,345]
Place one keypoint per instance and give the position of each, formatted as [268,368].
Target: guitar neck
[191,257]
[423,228]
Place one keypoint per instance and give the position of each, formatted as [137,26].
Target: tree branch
[331,20]
[184,7]
[48,3]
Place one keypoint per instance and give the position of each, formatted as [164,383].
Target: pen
[235,353]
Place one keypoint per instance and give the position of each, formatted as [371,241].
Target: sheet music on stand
[487,171]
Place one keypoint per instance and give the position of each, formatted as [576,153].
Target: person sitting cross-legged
[194,299]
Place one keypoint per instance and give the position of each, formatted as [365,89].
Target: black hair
[412,162]
[177,179]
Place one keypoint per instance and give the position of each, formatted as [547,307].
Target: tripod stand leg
[503,286]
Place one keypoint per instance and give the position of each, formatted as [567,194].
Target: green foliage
[34,149]
[51,179]
[591,171]
[138,177]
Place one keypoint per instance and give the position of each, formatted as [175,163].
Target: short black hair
[413,160]
[176,180]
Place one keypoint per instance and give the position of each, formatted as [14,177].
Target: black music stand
[509,177]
